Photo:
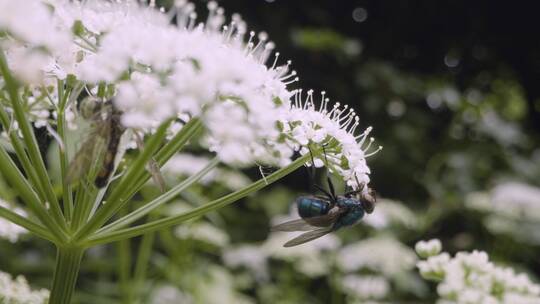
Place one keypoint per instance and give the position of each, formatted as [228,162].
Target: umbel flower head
[470,277]
[160,65]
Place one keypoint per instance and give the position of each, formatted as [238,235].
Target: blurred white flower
[254,258]
[472,278]
[365,286]
[382,254]
[309,258]
[429,248]
[9,230]
[169,294]
[17,291]
[185,165]
[218,288]
[390,213]
[204,232]
[512,208]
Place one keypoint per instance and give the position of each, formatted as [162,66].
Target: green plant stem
[16,179]
[162,199]
[141,265]
[67,198]
[29,225]
[103,238]
[21,153]
[31,143]
[117,199]
[124,270]
[172,147]
[68,262]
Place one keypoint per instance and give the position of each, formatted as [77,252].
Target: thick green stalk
[27,224]
[30,141]
[117,199]
[68,262]
[196,212]
[162,199]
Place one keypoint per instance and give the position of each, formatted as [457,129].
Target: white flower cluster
[19,292]
[382,254]
[184,165]
[8,230]
[512,208]
[366,286]
[391,213]
[160,65]
[472,278]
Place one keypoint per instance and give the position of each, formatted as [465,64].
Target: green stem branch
[31,143]
[27,224]
[196,212]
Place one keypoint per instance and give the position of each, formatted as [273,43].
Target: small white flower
[429,248]
[9,230]
[18,291]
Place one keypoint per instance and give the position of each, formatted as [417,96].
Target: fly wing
[294,225]
[86,156]
[308,236]
[306,224]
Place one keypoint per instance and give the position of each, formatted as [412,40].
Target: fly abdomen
[310,206]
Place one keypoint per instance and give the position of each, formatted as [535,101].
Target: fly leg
[311,173]
[330,184]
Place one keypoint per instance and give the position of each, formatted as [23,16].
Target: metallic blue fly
[320,215]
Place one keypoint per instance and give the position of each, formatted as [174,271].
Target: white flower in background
[217,288]
[254,258]
[184,164]
[17,291]
[365,286]
[429,248]
[472,278]
[383,254]
[169,294]
[512,208]
[517,200]
[310,258]
[204,232]
[8,230]
[391,213]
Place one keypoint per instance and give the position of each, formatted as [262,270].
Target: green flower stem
[27,224]
[31,143]
[196,212]
[117,198]
[124,268]
[67,192]
[68,262]
[16,179]
[21,153]
[141,265]
[162,199]
[172,147]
